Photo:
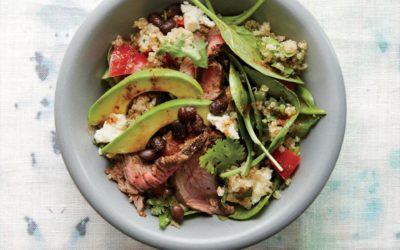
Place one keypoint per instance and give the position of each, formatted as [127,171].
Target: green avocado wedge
[136,136]
[117,99]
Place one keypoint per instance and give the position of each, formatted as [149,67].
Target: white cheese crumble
[112,128]
[220,191]
[193,17]
[249,190]
[227,124]
[178,33]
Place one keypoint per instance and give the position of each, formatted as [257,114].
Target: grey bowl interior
[79,86]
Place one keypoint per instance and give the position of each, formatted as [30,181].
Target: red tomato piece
[180,22]
[289,162]
[125,60]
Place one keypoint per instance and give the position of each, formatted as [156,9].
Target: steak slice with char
[211,80]
[144,176]
[215,42]
[117,174]
[198,189]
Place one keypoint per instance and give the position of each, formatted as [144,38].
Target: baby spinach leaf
[191,212]
[257,115]
[304,124]
[277,90]
[209,6]
[307,102]
[241,101]
[239,19]
[249,146]
[240,46]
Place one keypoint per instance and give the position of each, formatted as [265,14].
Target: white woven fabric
[40,208]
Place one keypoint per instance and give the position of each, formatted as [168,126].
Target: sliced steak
[188,67]
[144,176]
[117,174]
[215,42]
[198,189]
[211,80]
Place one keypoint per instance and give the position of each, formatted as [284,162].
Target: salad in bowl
[204,113]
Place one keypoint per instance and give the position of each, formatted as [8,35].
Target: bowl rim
[155,239]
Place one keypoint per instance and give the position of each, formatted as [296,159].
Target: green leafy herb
[164,220]
[222,155]
[198,53]
[161,207]
[240,46]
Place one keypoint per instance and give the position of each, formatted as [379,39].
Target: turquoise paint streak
[381,42]
[373,209]
[394,159]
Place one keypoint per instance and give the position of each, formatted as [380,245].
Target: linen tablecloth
[40,207]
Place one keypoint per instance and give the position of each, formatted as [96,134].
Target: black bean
[162,97]
[219,106]
[177,213]
[186,114]
[173,10]
[148,155]
[179,130]
[155,19]
[197,125]
[167,192]
[167,26]
[158,144]
[163,130]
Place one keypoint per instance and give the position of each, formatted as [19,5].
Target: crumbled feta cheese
[111,129]
[178,33]
[220,191]
[248,190]
[193,17]
[227,124]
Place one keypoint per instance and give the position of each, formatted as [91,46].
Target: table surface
[40,207]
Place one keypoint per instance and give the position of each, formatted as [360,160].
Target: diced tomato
[289,85]
[180,22]
[289,162]
[125,60]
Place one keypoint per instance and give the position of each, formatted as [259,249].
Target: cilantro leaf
[160,207]
[164,220]
[222,155]
[198,53]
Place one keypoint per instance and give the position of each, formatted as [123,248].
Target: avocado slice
[136,136]
[117,99]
